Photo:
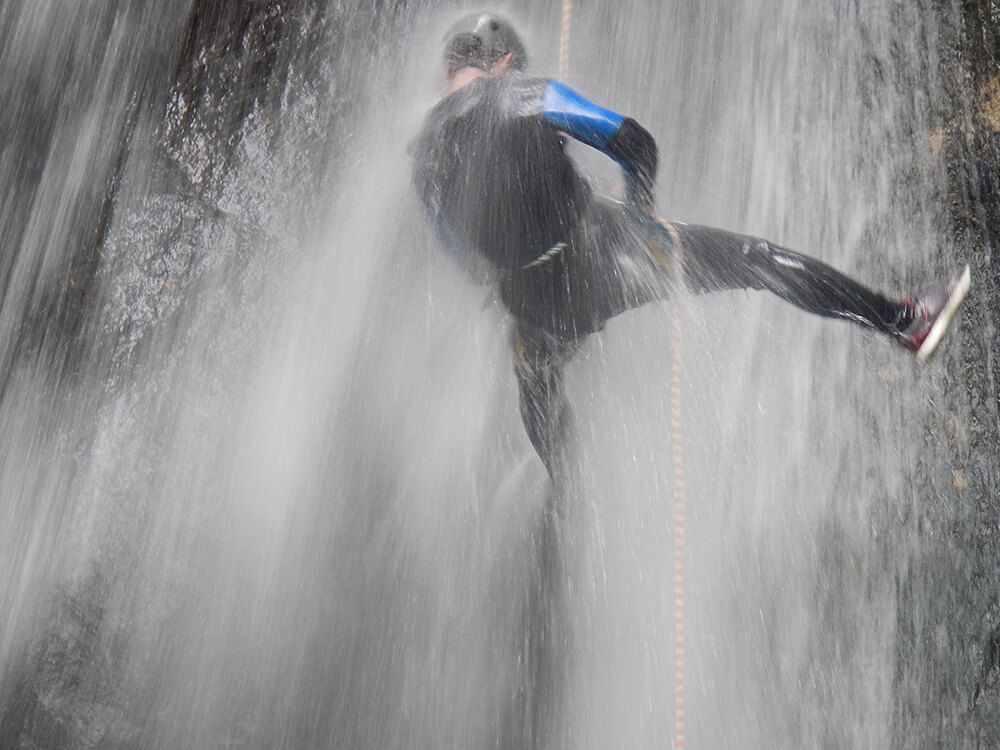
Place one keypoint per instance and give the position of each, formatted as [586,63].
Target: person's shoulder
[455,104]
[516,80]
[521,93]
[450,108]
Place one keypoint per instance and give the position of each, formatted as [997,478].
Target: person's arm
[621,138]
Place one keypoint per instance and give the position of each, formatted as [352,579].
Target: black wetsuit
[491,169]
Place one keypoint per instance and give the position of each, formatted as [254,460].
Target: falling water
[264,482]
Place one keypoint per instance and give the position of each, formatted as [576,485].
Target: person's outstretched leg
[621,259]
[715,260]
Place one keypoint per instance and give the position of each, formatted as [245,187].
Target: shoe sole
[943,320]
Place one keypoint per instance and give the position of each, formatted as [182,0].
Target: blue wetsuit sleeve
[621,138]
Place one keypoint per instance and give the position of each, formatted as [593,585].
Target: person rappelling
[491,169]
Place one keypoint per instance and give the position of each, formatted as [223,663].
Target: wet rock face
[209,129]
[220,124]
[89,89]
[951,648]
[237,57]
[187,94]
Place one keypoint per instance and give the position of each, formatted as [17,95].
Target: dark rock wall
[213,64]
[185,76]
[949,610]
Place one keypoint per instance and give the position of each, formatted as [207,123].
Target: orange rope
[564,37]
[680,538]
[677,448]
[680,502]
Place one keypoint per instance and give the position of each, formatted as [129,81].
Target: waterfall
[264,478]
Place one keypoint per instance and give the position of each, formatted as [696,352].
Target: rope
[676,448]
[680,501]
[564,37]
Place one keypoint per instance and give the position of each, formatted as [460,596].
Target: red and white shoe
[933,311]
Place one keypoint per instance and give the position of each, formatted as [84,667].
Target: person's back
[494,170]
